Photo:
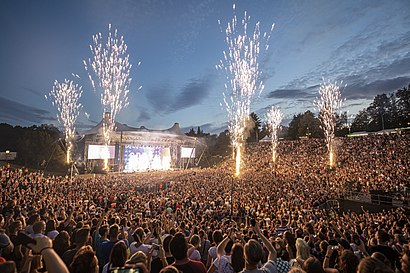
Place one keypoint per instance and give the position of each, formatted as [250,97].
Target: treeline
[42,146]
[36,146]
[385,112]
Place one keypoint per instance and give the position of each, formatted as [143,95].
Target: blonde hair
[138,257]
[302,249]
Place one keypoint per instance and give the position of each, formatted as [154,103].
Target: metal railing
[378,199]
[330,204]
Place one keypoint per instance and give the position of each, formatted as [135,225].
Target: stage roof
[119,127]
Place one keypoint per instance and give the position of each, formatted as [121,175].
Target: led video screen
[187,152]
[101,152]
[143,158]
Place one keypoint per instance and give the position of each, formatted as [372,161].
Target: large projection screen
[101,152]
[187,152]
[143,158]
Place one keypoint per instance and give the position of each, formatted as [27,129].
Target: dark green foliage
[35,145]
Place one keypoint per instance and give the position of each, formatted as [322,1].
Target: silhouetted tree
[361,121]
[38,146]
[403,106]
[342,127]
[304,125]
[254,133]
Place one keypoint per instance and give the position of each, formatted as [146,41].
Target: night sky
[365,44]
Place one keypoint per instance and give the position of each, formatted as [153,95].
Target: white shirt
[134,249]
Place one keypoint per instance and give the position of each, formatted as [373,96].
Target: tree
[342,128]
[403,106]
[304,125]
[255,128]
[381,113]
[191,133]
[39,145]
[361,121]
[199,132]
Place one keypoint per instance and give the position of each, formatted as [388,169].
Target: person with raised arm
[44,247]
[254,254]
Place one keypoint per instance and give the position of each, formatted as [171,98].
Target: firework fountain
[241,67]
[111,70]
[329,102]
[273,119]
[66,96]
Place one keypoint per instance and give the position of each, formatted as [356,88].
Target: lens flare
[273,119]
[328,103]
[241,67]
[66,96]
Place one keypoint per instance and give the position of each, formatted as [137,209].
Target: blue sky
[364,43]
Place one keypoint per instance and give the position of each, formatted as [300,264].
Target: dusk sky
[365,44]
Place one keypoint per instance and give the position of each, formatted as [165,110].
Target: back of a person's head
[38,227]
[217,236]
[118,255]
[32,219]
[138,235]
[290,238]
[61,242]
[50,225]
[113,233]
[382,236]
[253,252]
[178,246]
[237,257]
[313,265]
[302,249]
[13,227]
[381,257]
[103,230]
[84,261]
[345,244]
[166,242]
[195,240]
[82,236]
[138,257]
[373,265]
[169,269]
[348,262]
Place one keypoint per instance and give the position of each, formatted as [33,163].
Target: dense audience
[206,220]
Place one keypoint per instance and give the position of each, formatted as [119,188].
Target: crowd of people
[268,219]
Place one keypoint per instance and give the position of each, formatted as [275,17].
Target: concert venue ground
[290,200]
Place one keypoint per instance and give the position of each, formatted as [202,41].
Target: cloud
[362,90]
[302,94]
[160,97]
[15,112]
[193,93]
[33,91]
[144,115]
